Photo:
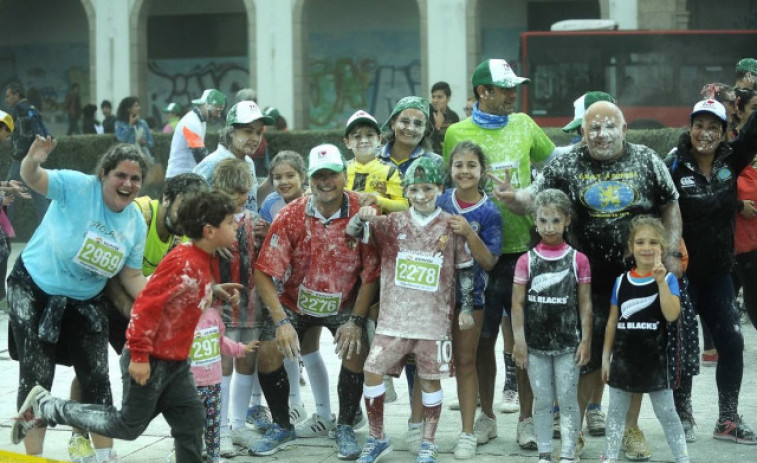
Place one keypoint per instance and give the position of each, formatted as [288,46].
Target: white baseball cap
[710,106]
[246,112]
[325,156]
[358,117]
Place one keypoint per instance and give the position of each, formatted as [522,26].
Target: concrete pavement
[156,443]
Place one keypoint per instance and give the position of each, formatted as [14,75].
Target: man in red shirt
[329,279]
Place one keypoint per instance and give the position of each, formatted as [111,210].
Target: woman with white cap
[704,168]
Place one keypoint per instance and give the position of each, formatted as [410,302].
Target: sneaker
[688,424]
[510,402]
[556,425]
[316,426]
[413,437]
[227,445]
[297,413]
[427,453]
[484,428]
[391,394]
[259,418]
[374,449]
[346,443]
[466,446]
[595,421]
[275,439]
[635,445]
[580,444]
[710,360]
[243,436]
[734,430]
[525,434]
[80,449]
[357,423]
[29,415]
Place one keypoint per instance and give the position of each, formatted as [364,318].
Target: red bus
[656,76]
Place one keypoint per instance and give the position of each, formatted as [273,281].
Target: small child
[551,320]
[234,265]
[633,358]
[156,375]
[287,175]
[379,181]
[420,257]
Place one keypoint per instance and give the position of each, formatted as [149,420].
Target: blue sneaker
[374,449]
[275,439]
[346,443]
[427,453]
[259,418]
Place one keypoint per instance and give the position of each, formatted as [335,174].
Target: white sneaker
[227,445]
[413,437]
[391,394]
[484,428]
[466,446]
[525,434]
[315,426]
[510,402]
[243,436]
[297,413]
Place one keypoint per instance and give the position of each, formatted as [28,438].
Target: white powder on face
[605,137]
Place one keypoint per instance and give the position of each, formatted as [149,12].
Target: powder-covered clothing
[81,242]
[165,313]
[189,135]
[238,270]
[271,206]
[206,167]
[319,263]
[639,359]
[514,146]
[155,248]
[486,221]
[384,154]
[207,347]
[551,318]
[418,261]
[745,235]
[607,195]
[366,178]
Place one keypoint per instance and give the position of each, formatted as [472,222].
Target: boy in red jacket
[159,337]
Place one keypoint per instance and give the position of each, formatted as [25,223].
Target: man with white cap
[245,124]
[188,142]
[329,279]
[511,141]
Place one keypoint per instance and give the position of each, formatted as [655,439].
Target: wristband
[281,322]
[359,320]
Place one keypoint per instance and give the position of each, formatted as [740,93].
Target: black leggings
[746,271]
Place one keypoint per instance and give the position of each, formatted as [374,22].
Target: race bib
[317,303]
[206,347]
[418,272]
[100,255]
[499,169]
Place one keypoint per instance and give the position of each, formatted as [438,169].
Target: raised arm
[31,170]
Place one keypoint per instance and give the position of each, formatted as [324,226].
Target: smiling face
[363,140]
[466,170]
[604,131]
[121,185]
[246,138]
[706,134]
[327,187]
[645,247]
[499,101]
[287,182]
[550,224]
[422,197]
[409,127]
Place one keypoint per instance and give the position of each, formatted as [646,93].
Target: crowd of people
[594,260]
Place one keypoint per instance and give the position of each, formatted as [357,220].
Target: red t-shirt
[745,236]
[165,314]
[319,264]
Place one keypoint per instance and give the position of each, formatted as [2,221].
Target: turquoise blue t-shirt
[80,242]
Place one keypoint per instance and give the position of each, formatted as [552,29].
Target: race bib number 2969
[100,255]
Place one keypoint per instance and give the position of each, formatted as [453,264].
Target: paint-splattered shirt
[639,359]
[418,261]
[165,313]
[606,196]
[514,147]
[317,261]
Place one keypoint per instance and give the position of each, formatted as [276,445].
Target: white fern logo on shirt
[547,280]
[633,306]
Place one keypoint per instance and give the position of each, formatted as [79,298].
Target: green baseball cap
[246,112]
[172,108]
[423,170]
[211,96]
[747,65]
[582,104]
[498,73]
[409,102]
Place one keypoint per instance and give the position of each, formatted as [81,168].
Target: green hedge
[81,153]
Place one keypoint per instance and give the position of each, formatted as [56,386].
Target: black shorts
[600,306]
[302,323]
